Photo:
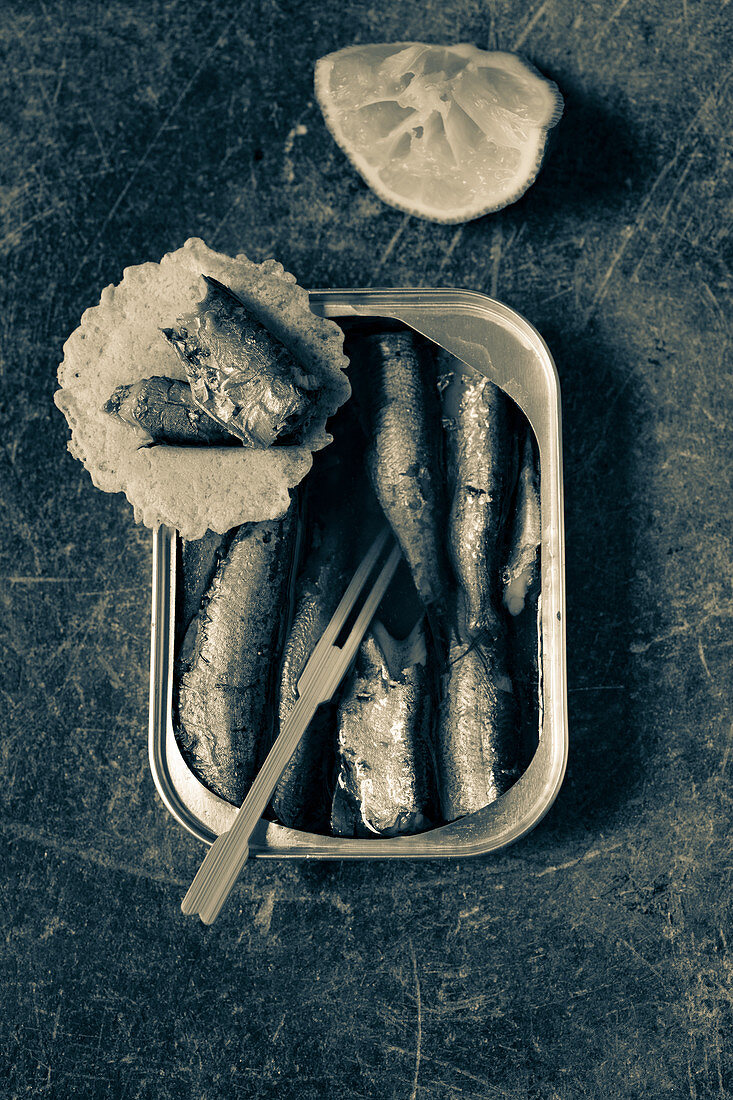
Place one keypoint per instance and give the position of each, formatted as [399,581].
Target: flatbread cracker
[119,342]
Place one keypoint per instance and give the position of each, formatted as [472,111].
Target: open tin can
[499,343]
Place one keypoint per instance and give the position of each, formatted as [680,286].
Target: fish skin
[477,741]
[166,410]
[341,495]
[402,415]
[301,799]
[480,449]
[225,712]
[383,786]
[478,720]
[199,559]
[520,571]
[240,373]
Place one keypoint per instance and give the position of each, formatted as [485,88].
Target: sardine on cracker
[122,341]
[244,378]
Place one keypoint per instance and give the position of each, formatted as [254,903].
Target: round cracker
[119,342]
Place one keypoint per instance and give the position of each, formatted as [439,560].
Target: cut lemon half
[446,133]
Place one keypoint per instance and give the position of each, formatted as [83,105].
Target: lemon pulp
[445,132]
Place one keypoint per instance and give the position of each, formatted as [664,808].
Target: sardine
[383,786]
[526,533]
[165,408]
[225,700]
[302,797]
[480,450]
[478,727]
[341,499]
[199,559]
[402,421]
[477,738]
[240,374]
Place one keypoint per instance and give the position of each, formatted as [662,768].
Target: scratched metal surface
[591,960]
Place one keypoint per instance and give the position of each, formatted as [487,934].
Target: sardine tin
[501,344]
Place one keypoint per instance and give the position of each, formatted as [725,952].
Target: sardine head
[177,339]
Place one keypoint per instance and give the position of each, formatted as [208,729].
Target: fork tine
[356,584]
[323,649]
[371,604]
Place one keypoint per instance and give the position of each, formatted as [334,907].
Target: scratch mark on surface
[723,232]
[605,433]
[47,17]
[48,580]
[641,958]
[717,308]
[56,1019]
[455,240]
[50,106]
[701,651]
[418,1038]
[707,29]
[681,236]
[492,1090]
[612,19]
[626,237]
[263,916]
[32,71]
[557,294]
[630,231]
[593,853]
[86,855]
[95,620]
[299,130]
[599,687]
[451,1089]
[693,1090]
[59,82]
[98,139]
[460,1007]
[665,214]
[39,580]
[525,33]
[279,1027]
[726,754]
[16,232]
[391,245]
[220,40]
[680,630]
[234,207]
[559,867]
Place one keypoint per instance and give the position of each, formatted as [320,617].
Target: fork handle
[207,899]
[227,856]
[324,671]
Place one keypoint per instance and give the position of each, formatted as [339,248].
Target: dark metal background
[590,960]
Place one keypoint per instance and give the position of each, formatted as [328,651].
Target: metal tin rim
[521,809]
